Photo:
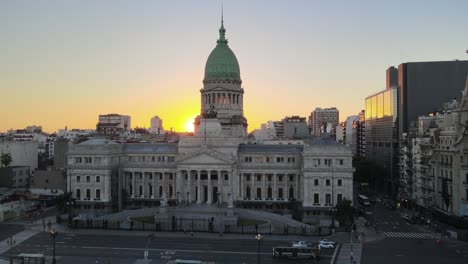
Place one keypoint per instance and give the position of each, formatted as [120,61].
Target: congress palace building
[214,165]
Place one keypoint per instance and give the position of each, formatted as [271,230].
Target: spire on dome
[222,31]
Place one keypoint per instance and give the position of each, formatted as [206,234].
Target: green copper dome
[222,64]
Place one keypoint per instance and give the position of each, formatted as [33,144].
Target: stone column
[241,183]
[198,187]
[220,180]
[296,192]
[189,187]
[133,184]
[263,187]
[210,189]
[275,191]
[285,189]
[153,185]
[178,184]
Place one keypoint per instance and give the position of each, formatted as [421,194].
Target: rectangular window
[280,193]
[247,177]
[341,162]
[316,162]
[280,178]
[248,159]
[328,162]
[259,193]
[98,194]
[259,177]
[340,182]
[153,159]
[269,177]
[327,199]
[78,178]
[267,159]
[88,160]
[291,177]
[316,198]
[279,159]
[88,178]
[88,194]
[98,178]
[226,177]
[78,160]
[170,159]
[339,198]
[316,182]
[78,194]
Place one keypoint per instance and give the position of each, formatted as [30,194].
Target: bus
[296,252]
[25,258]
[363,200]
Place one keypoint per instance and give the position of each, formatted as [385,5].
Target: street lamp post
[11,243]
[150,237]
[70,204]
[258,237]
[54,233]
[351,241]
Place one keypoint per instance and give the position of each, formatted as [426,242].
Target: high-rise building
[382,136]
[425,86]
[112,124]
[156,125]
[295,127]
[422,87]
[321,118]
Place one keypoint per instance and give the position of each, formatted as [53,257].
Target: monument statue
[230,202]
[164,200]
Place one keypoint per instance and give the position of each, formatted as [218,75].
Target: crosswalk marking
[410,235]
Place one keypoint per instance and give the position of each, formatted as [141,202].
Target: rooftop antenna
[222,14]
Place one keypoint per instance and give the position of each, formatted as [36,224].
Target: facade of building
[23,153]
[381,135]
[436,82]
[15,176]
[322,118]
[217,164]
[295,127]
[360,128]
[156,126]
[433,163]
[113,124]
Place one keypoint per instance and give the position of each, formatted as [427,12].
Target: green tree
[6,159]
[344,212]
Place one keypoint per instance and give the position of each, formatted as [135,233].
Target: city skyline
[66,63]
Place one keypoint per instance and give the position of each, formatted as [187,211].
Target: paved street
[74,248]
[411,251]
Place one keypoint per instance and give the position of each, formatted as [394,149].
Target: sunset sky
[62,63]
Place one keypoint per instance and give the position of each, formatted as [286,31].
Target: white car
[300,244]
[324,243]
